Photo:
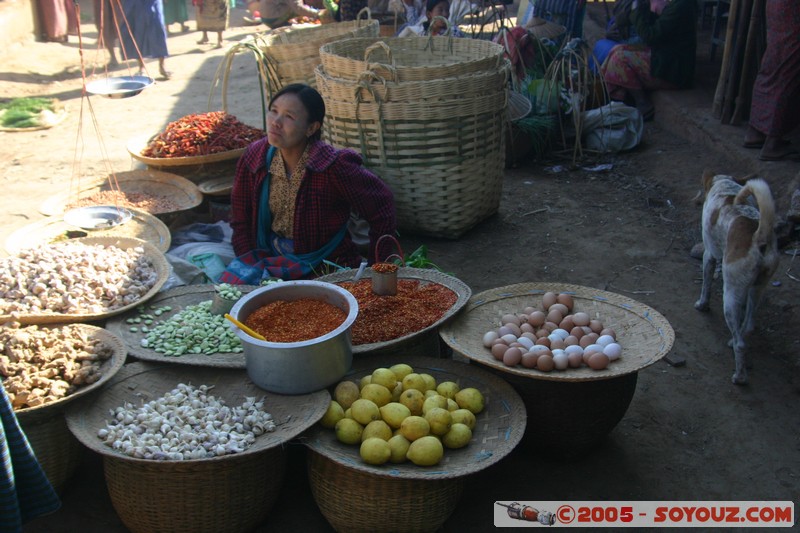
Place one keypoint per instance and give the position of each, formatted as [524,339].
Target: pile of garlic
[185,423]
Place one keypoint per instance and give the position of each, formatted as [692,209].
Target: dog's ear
[707,180]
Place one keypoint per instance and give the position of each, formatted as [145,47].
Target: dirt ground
[689,434]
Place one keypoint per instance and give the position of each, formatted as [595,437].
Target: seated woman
[276,13]
[437,12]
[620,30]
[666,60]
[293,196]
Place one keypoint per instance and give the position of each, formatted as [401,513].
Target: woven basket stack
[428,114]
[292,52]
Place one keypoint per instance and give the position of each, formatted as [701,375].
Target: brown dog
[741,234]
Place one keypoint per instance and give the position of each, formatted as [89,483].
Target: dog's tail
[766,207]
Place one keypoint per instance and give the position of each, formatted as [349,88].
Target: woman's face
[442,9]
[288,123]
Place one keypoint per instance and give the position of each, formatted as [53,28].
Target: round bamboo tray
[56,449]
[136,145]
[178,298]
[355,496]
[221,186]
[424,341]
[575,408]
[142,226]
[231,493]
[177,191]
[160,264]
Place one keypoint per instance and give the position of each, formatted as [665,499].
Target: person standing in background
[107,27]
[175,12]
[59,19]
[775,108]
[143,34]
[211,15]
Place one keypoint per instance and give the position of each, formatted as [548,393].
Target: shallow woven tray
[158,259]
[229,493]
[498,430]
[424,275]
[177,189]
[178,298]
[142,226]
[216,186]
[644,334]
[137,144]
[57,451]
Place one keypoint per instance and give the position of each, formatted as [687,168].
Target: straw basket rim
[155,180]
[142,381]
[634,321]
[499,428]
[462,290]
[544,29]
[178,298]
[137,144]
[156,256]
[142,225]
[109,368]
[305,34]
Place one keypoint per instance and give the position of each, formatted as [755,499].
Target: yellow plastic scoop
[245,328]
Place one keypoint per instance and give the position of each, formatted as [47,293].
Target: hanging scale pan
[119,86]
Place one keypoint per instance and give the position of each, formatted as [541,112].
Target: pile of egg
[551,336]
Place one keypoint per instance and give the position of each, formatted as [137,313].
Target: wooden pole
[736,65]
[749,61]
[719,95]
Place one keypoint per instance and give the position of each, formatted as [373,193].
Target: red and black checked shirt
[334,185]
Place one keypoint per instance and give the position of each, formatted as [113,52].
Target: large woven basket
[425,341]
[438,144]
[575,408]
[56,449]
[355,496]
[403,59]
[231,493]
[293,53]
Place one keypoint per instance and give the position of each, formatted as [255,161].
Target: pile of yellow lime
[396,415]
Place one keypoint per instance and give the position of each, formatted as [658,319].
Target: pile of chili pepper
[202,134]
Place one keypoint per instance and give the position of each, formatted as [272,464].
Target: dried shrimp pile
[42,365]
[74,278]
[149,203]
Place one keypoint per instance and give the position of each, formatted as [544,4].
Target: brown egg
[598,361]
[499,341]
[567,323]
[529,334]
[543,341]
[498,350]
[561,307]
[575,359]
[587,354]
[523,318]
[515,329]
[581,319]
[504,330]
[555,316]
[587,339]
[516,345]
[545,363]
[566,299]
[512,357]
[526,328]
[557,344]
[550,326]
[572,339]
[596,326]
[528,310]
[542,333]
[609,331]
[548,299]
[577,331]
[510,319]
[529,359]
[536,318]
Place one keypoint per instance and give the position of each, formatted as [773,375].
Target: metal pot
[297,367]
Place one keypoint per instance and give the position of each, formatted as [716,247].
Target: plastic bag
[614,127]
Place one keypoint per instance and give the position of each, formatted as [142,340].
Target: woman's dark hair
[311,100]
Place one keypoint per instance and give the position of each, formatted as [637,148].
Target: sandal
[165,73]
[786,154]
